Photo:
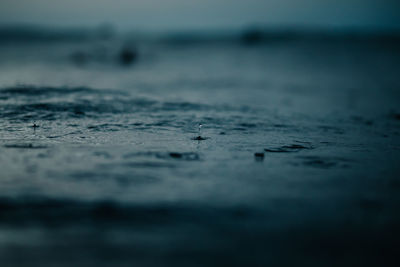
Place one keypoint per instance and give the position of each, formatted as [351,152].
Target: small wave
[30,103]
[72,109]
[37,91]
[83,102]
[183,106]
[188,156]
[107,126]
[25,146]
[289,148]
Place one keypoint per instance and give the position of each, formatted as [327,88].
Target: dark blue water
[101,166]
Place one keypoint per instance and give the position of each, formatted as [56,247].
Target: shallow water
[99,165]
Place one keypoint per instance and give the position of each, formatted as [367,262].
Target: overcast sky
[202,14]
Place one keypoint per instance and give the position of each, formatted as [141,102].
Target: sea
[254,148]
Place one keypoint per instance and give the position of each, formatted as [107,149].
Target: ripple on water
[25,146]
[49,103]
[324,162]
[289,148]
[185,156]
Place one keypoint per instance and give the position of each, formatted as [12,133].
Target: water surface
[99,165]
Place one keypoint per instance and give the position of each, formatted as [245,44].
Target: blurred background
[157,15]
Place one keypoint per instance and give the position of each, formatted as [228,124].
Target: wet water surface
[103,162]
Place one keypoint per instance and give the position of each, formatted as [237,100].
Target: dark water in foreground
[112,176]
